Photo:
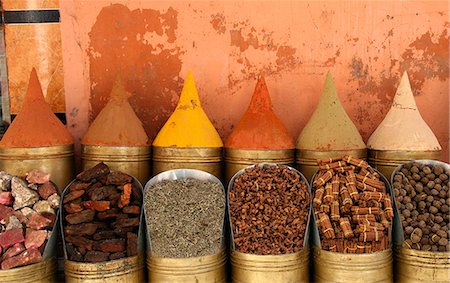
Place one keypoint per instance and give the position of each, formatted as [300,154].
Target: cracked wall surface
[365,44]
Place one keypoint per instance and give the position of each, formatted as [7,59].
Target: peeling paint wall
[366,45]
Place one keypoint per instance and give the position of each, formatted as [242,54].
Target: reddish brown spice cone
[260,127]
[35,125]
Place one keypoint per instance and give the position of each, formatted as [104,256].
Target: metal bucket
[207,159]
[133,160]
[420,266]
[128,269]
[345,267]
[200,269]
[386,161]
[307,159]
[237,159]
[414,265]
[251,268]
[43,272]
[56,160]
[270,268]
[195,269]
[341,267]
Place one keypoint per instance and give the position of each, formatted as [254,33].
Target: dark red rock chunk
[111,245]
[11,237]
[73,253]
[39,222]
[27,257]
[96,205]
[73,195]
[47,189]
[118,178]
[96,256]
[73,207]
[107,234]
[132,244]
[81,217]
[81,229]
[95,172]
[5,212]
[80,241]
[132,209]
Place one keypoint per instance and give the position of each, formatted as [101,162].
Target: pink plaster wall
[365,44]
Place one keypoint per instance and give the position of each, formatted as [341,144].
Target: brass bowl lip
[115,146]
[48,150]
[221,254]
[318,250]
[304,251]
[42,265]
[399,249]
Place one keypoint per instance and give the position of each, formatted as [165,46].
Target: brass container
[133,160]
[43,272]
[200,269]
[420,266]
[343,267]
[56,160]
[386,161]
[249,268]
[237,159]
[208,159]
[307,159]
[129,269]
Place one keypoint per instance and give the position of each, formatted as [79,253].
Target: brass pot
[307,159]
[56,160]
[43,272]
[208,159]
[133,160]
[237,159]
[200,269]
[386,161]
[420,266]
[343,267]
[250,268]
[128,269]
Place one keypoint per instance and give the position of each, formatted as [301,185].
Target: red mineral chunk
[27,257]
[81,229]
[80,241]
[39,222]
[37,177]
[111,245]
[96,205]
[102,192]
[12,251]
[113,212]
[118,178]
[128,222]
[125,197]
[47,189]
[11,237]
[73,207]
[95,172]
[73,195]
[76,186]
[35,238]
[108,234]
[5,212]
[80,217]
[132,209]
[6,198]
[132,244]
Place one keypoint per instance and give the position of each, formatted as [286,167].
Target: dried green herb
[185,218]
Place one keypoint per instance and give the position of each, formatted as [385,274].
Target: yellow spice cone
[188,126]
[403,128]
[330,128]
[117,123]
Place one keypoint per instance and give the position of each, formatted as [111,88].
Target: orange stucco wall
[366,45]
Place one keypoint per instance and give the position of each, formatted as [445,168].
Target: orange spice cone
[259,137]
